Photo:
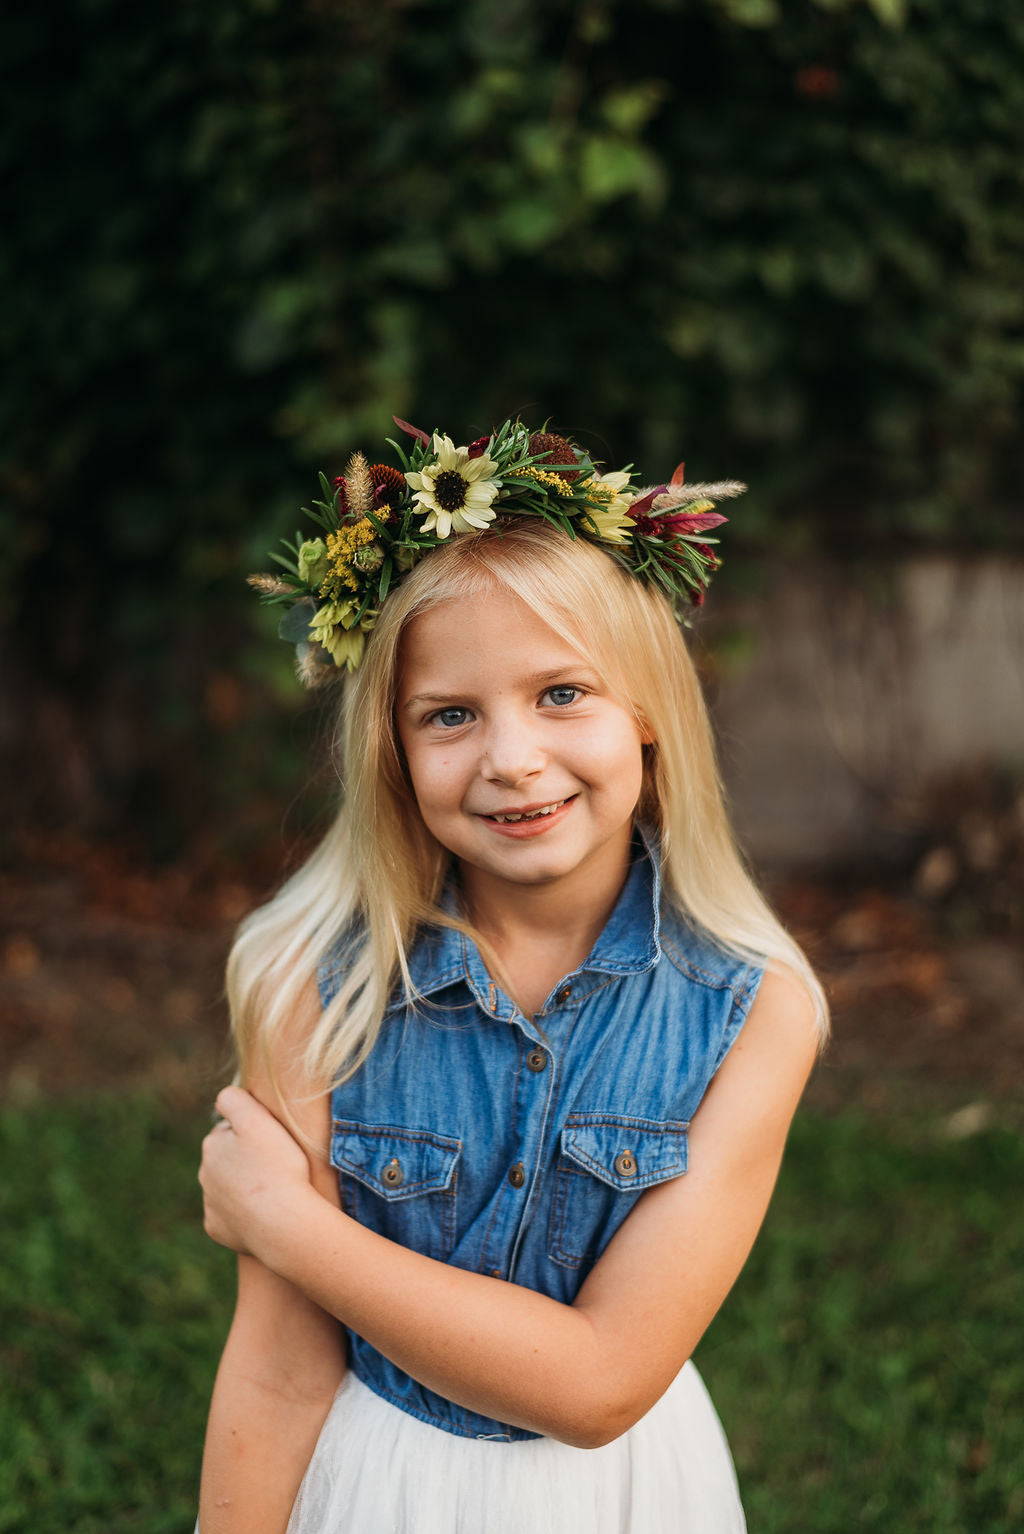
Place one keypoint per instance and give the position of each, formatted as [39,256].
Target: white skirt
[377,1470]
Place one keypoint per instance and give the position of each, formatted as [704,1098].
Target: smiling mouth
[545,809]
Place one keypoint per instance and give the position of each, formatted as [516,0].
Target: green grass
[114,1307]
[867,1367]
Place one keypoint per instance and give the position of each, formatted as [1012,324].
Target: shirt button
[625,1164]
[516,1175]
[565,993]
[536,1060]
[392,1173]
[495,1272]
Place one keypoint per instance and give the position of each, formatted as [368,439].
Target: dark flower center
[450,490]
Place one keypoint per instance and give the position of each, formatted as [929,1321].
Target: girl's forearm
[282,1363]
[257,1448]
[496,1348]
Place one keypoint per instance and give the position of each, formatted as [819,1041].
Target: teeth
[547,809]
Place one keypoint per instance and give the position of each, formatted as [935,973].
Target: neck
[566,915]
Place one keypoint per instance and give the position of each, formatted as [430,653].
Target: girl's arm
[278,1373]
[282,1363]
[582,1373]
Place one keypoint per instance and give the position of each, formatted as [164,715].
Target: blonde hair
[379,873]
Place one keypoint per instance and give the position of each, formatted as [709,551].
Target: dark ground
[111,975]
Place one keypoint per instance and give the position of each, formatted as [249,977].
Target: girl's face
[500,717]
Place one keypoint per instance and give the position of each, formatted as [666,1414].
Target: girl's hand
[252,1171]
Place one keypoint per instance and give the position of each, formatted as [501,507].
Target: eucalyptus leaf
[294,626]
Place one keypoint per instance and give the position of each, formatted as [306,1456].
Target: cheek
[609,757]
[435,778]
[624,765]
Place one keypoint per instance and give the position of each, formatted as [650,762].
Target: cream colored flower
[456,490]
[616,483]
[609,520]
[344,645]
[610,526]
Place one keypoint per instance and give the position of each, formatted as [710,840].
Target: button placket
[542,1070]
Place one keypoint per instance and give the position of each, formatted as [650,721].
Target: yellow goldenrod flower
[342,548]
[546,477]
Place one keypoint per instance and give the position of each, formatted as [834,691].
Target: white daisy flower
[456,490]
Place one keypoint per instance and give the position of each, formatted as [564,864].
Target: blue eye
[563,695]
[450,718]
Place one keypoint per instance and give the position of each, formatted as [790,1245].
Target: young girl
[521,1041]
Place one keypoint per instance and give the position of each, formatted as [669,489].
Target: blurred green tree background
[781,240]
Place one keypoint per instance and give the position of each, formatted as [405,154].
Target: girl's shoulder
[696,957]
[706,987]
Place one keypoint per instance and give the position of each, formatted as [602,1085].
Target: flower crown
[372,533]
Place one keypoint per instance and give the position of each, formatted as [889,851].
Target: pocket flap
[626,1153]
[395,1162]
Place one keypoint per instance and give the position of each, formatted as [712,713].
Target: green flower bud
[312,561]
[369,558]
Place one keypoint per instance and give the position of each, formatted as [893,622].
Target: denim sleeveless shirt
[516,1147]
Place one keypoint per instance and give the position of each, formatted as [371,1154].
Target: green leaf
[891,13]
[328,523]
[629,108]
[403,459]
[752,13]
[529,223]
[613,167]
[374,520]
[286,564]
[363,608]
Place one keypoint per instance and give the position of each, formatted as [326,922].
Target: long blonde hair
[378,873]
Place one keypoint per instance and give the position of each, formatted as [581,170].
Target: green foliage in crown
[378,520]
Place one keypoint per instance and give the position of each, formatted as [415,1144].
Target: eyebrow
[538,679]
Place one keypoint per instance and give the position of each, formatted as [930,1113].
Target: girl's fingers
[233,1103]
[223,1102]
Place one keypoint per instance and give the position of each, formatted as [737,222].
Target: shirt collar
[629,943]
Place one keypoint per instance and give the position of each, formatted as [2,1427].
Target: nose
[512,752]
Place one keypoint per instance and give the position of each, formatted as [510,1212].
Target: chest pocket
[400,1182]
[606,1162]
